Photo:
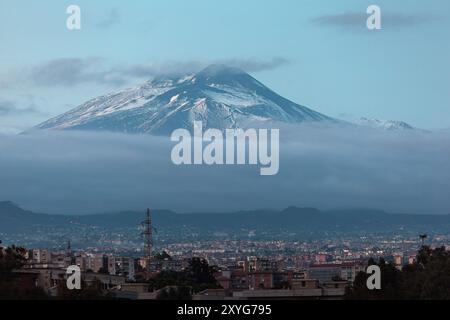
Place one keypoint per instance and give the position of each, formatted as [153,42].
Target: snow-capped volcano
[219,96]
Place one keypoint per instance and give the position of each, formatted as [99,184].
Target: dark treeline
[428,278]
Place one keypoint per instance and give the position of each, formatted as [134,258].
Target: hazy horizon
[332,167]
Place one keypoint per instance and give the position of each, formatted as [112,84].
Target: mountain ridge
[383,124]
[15,219]
[221,97]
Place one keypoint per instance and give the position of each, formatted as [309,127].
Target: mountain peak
[221,69]
[220,74]
[220,96]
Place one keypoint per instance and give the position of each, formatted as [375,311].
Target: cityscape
[127,264]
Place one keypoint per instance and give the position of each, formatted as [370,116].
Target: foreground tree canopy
[11,285]
[428,278]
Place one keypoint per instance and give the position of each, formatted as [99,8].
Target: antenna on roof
[422,238]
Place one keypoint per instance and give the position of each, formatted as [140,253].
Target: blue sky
[316,53]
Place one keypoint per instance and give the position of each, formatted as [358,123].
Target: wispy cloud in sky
[256,65]
[97,70]
[113,18]
[390,20]
[73,71]
[9,108]
[183,67]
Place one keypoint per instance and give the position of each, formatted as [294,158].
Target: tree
[103,270]
[13,285]
[198,276]
[89,291]
[391,284]
[433,273]
[427,278]
[163,256]
[175,293]
[11,258]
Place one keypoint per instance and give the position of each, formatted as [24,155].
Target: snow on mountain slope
[108,104]
[383,124]
[220,96]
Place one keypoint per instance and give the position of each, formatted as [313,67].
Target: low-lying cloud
[9,108]
[74,172]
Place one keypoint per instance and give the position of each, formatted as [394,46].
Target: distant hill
[15,219]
